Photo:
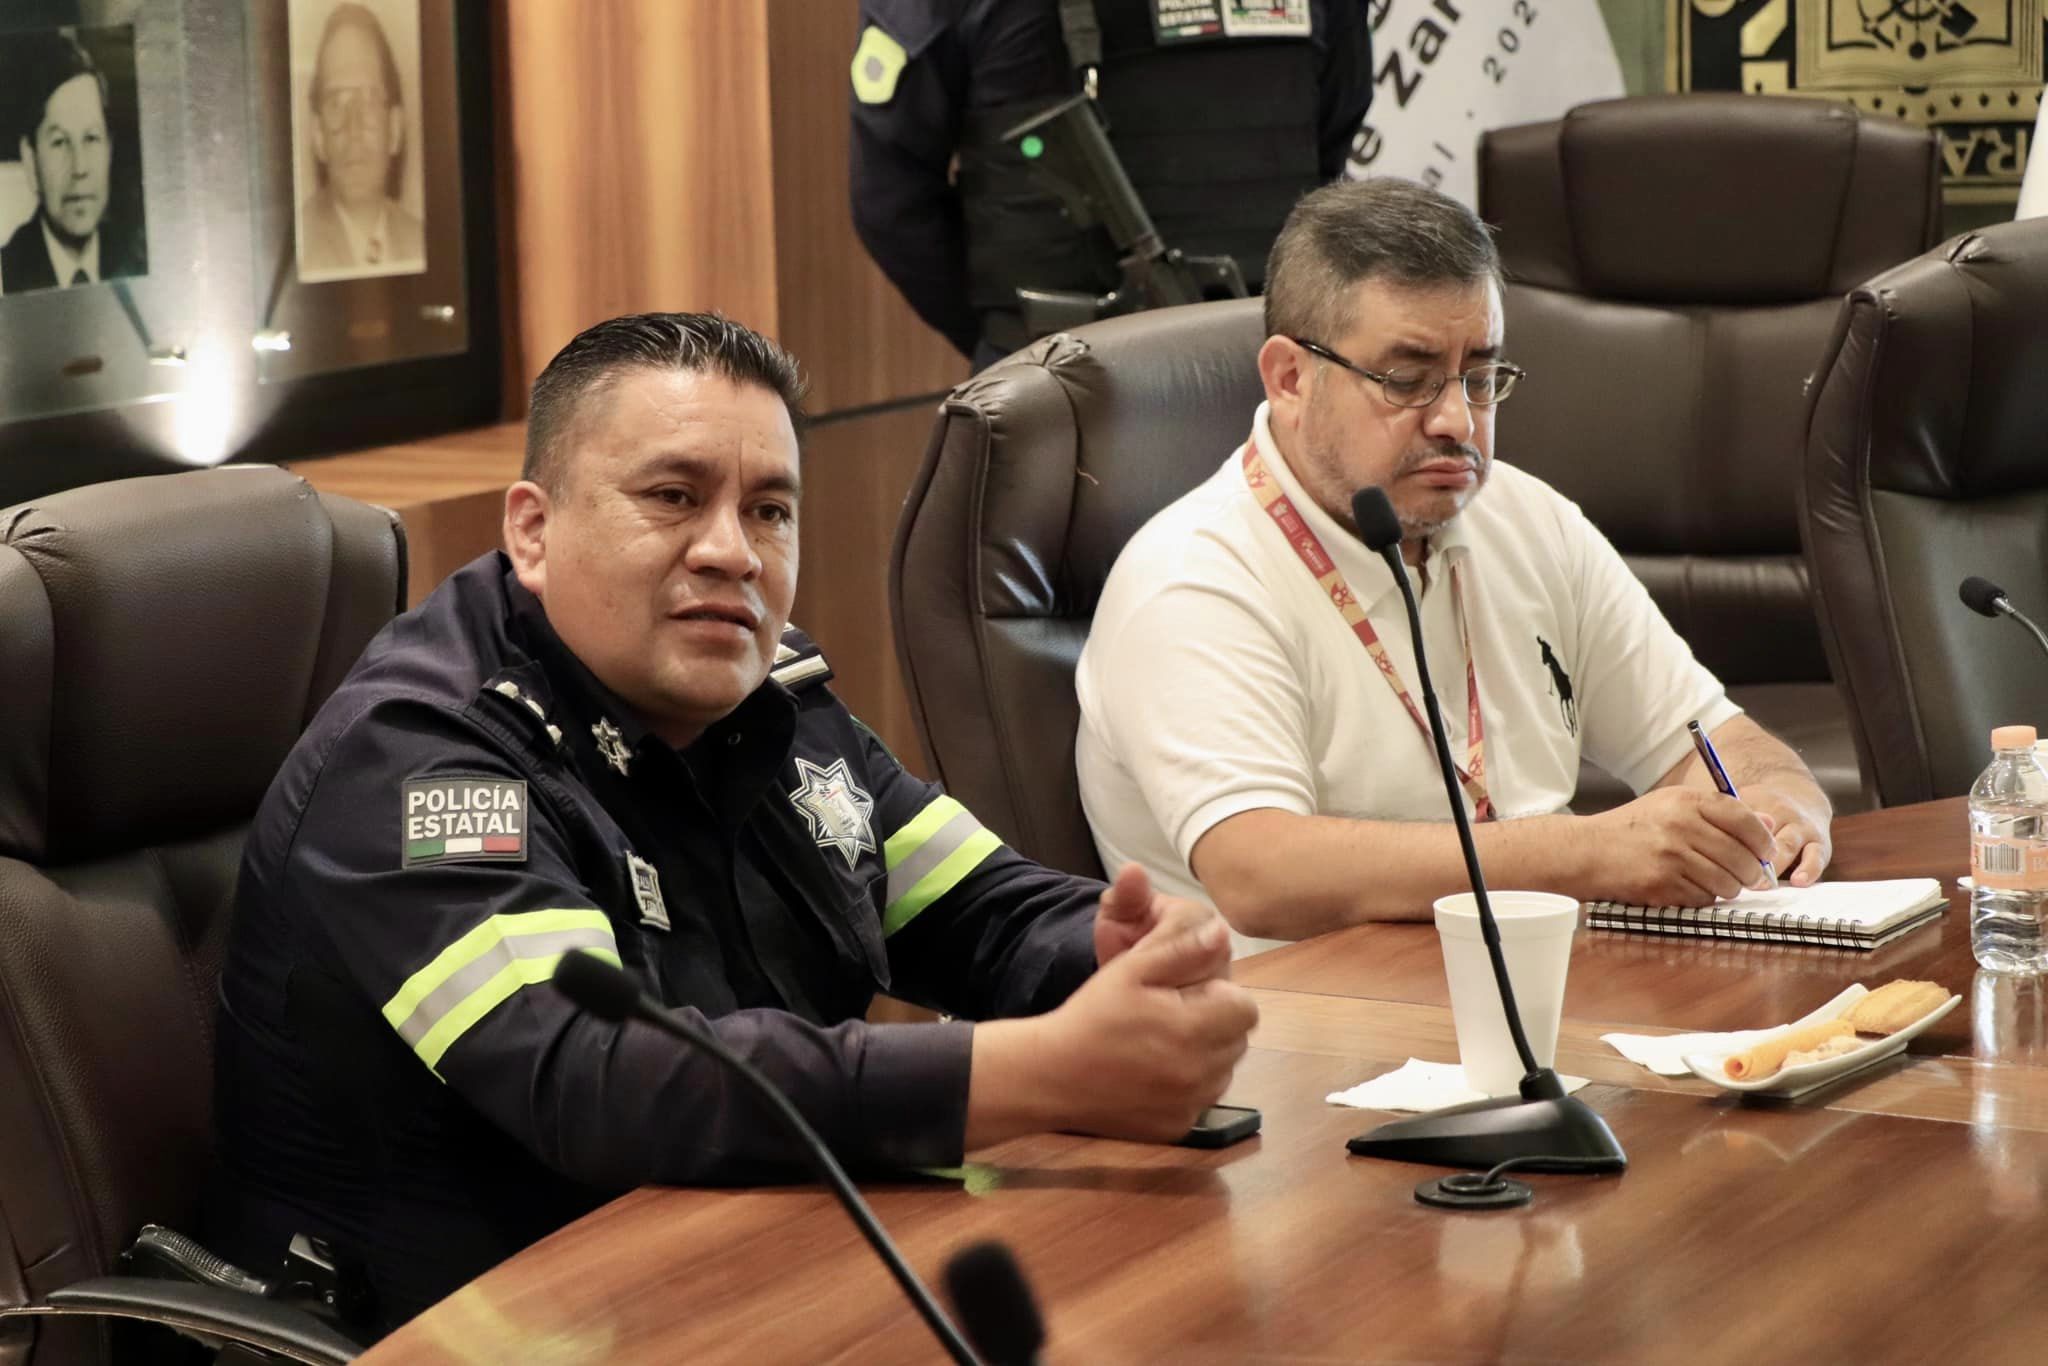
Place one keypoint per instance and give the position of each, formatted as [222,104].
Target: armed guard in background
[971,182]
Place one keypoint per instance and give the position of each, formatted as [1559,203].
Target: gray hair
[1345,233]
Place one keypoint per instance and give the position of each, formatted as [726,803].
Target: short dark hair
[1344,233]
[47,61]
[694,342]
[349,14]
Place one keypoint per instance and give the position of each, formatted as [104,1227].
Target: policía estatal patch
[464,820]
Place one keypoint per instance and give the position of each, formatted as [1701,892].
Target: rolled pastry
[1833,1048]
[1766,1058]
[1894,1005]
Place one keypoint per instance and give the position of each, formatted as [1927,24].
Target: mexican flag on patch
[448,820]
[489,844]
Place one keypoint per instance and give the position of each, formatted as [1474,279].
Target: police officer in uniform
[1223,112]
[606,739]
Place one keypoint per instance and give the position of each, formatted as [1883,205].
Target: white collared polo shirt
[1219,678]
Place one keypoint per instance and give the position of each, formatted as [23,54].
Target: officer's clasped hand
[1152,1039]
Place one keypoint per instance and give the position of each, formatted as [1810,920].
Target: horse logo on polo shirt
[1560,687]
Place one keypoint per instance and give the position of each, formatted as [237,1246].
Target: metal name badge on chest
[647,891]
[463,820]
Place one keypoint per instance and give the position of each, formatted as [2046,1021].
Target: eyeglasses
[1485,384]
[340,108]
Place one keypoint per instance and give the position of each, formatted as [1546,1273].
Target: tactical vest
[1218,137]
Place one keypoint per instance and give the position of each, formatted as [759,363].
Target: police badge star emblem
[836,809]
[611,746]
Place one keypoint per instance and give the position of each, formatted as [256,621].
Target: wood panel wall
[641,163]
[691,155]
[856,471]
[834,308]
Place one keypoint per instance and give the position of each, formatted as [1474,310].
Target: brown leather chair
[1675,264]
[163,641]
[1038,471]
[1927,462]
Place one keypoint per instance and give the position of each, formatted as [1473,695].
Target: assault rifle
[1070,156]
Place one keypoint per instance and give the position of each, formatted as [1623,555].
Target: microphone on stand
[1986,598]
[611,994]
[1543,1128]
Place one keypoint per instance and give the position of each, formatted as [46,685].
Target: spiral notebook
[1855,915]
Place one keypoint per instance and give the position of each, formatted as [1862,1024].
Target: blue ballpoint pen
[1722,781]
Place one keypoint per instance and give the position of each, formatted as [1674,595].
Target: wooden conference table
[1899,1216]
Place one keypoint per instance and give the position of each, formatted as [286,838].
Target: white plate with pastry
[1829,1043]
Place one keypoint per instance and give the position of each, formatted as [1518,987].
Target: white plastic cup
[1536,940]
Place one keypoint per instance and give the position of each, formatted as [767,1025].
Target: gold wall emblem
[1969,69]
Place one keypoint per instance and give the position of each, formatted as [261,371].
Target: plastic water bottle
[2009,857]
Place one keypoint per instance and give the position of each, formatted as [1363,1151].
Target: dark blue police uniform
[1223,113]
[396,1076]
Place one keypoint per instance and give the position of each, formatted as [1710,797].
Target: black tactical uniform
[395,1074]
[1219,131]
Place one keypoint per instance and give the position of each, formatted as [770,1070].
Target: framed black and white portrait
[357,154]
[241,229]
[71,203]
[97,196]
[367,191]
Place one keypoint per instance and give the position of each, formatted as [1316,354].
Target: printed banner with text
[1448,70]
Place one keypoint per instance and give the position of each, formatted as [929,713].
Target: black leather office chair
[1926,462]
[1674,265]
[1039,470]
[163,642]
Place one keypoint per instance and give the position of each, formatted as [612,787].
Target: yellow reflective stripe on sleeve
[520,972]
[478,971]
[940,880]
[908,839]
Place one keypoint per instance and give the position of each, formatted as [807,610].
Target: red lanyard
[1309,548]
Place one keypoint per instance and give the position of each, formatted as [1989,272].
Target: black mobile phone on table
[1219,1126]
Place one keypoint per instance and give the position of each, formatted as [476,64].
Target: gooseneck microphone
[995,1302]
[1986,598]
[1380,529]
[610,994]
[1544,1127]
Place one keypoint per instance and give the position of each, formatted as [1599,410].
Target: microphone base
[1488,1132]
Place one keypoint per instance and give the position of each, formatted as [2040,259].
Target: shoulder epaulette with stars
[528,706]
[799,663]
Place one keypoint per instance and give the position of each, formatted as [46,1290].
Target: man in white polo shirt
[1251,735]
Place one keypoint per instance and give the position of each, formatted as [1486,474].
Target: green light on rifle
[1033,147]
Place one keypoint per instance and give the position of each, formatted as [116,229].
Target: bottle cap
[2013,737]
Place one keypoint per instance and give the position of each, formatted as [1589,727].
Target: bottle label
[2004,865]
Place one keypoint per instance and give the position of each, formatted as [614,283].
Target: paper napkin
[1421,1086]
[1664,1054]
